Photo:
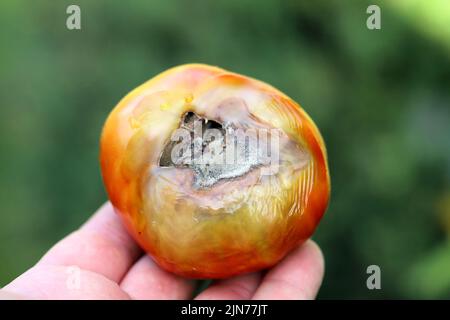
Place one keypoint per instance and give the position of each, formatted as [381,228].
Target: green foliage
[380,98]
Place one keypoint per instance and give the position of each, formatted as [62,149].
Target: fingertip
[316,256]
[298,276]
[241,287]
[147,281]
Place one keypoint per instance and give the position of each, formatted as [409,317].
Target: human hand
[108,264]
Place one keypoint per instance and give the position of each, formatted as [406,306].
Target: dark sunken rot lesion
[210,171]
[188,122]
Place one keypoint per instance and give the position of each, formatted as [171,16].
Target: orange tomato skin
[237,227]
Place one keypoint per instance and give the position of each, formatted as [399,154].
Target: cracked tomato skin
[237,226]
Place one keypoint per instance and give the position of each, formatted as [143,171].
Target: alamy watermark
[373,282]
[73,281]
[374,20]
[73,21]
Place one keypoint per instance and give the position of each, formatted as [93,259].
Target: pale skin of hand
[110,265]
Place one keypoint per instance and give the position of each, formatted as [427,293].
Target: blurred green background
[380,98]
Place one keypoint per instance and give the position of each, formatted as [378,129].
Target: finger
[298,276]
[101,245]
[146,280]
[64,283]
[237,288]
[7,295]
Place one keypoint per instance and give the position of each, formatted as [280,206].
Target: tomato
[196,214]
